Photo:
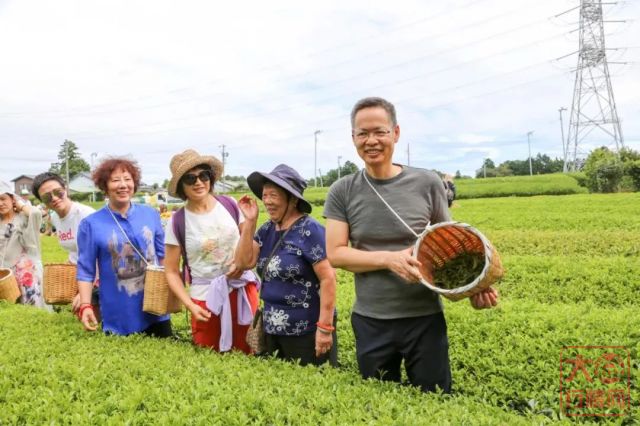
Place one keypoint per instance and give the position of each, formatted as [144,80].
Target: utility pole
[315,157]
[408,154]
[320,173]
[484,168]
[564,147]
[529,141]
[593,105]
[339,157]
[225,154]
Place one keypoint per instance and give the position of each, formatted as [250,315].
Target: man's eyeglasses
[8,230]
[190,178]
[47,197]
[362,135]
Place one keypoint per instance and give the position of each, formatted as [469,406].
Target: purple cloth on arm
[218,302]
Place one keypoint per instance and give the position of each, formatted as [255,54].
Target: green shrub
[603,170]
[571,279]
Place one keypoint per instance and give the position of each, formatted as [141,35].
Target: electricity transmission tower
[593,107]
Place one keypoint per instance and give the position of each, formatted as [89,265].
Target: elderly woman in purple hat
[299,284]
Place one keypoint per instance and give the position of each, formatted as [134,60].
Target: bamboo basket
[158,297]
[9,289]
[443,242]
[60,284]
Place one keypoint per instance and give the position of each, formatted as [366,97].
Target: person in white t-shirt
[210,233]
[51,190]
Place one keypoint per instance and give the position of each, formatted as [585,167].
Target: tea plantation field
[572,279]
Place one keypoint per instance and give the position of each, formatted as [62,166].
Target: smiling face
[277,202]
[55,197]
[196,183]
[375,136]
[120,187]
[6,204]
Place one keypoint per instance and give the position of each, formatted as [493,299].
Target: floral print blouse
[290,288]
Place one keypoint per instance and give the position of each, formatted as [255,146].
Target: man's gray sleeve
[334,205]
[440,206]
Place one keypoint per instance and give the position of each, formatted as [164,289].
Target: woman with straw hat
[20,245]
[221,298]
[299,284]
[119,241]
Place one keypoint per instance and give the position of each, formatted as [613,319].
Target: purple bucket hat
[286,178]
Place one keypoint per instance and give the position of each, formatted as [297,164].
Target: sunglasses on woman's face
[47,197]
[190,178]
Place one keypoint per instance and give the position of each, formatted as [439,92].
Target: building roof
[24,176]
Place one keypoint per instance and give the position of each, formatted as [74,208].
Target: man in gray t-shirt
[394,317]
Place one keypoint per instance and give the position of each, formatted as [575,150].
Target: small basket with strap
[60,284]
[158,298]
[9,289]
[443,242]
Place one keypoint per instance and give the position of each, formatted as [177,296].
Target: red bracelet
[325,327]
[84,307]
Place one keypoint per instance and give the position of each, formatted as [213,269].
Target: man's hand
[249,208]
[403,264]
[487,298]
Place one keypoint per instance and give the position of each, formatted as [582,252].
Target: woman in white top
[205,234]
[51,190]
[20,245]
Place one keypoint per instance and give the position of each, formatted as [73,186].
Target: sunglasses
[47,197]
[190,178]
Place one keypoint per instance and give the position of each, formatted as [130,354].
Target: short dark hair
[374,102]
[102,173]
[179,187]
[39,180]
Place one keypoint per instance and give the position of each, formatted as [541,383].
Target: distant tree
[77,164]
[332,175]
[631,166]
[165,183]
[458,174]
[488,168]
[604,170]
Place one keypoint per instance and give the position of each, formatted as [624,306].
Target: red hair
[103,171]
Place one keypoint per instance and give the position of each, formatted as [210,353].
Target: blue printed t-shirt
[121,269]
[291,289]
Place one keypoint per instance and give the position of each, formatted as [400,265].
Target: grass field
[572,267]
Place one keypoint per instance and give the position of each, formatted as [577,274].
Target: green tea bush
[520,186]
[571,279]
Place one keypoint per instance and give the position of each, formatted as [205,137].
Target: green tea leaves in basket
[459,271]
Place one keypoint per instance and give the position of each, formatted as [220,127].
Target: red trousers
[207,333]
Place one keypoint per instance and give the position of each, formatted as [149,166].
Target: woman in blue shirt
[120,239]
[299,284]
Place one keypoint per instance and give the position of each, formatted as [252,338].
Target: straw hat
[187,160]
